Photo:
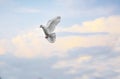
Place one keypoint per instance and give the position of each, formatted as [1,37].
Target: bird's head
[41,26]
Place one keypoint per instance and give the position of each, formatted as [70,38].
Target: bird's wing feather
[52,23]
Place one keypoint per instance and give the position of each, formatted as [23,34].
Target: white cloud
[72,63]
[95,63]
[2,63]
[110,25]
[31,45]
[114,42]
[27,45]
[3,46]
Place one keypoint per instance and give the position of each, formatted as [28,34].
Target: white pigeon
[49,28]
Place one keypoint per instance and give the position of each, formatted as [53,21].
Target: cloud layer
[84,56]
[29,44]
[87,44]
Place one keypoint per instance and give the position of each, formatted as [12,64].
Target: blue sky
[87,44]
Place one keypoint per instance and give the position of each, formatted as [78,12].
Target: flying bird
[49,29]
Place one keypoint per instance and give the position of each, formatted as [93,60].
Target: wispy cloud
[28,10]
[84,8]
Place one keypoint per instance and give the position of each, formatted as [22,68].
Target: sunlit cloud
[105,24]
[29,45]
[3,46]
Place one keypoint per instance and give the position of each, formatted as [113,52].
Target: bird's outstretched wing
[52,38]
[52,23]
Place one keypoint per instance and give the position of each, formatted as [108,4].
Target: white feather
[52,23]
[49,28]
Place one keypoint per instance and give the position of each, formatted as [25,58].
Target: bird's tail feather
[52,38]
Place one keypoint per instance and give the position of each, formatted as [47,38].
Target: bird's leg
[46,36]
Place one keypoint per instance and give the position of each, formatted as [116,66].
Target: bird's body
[49,28]
[46,33]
